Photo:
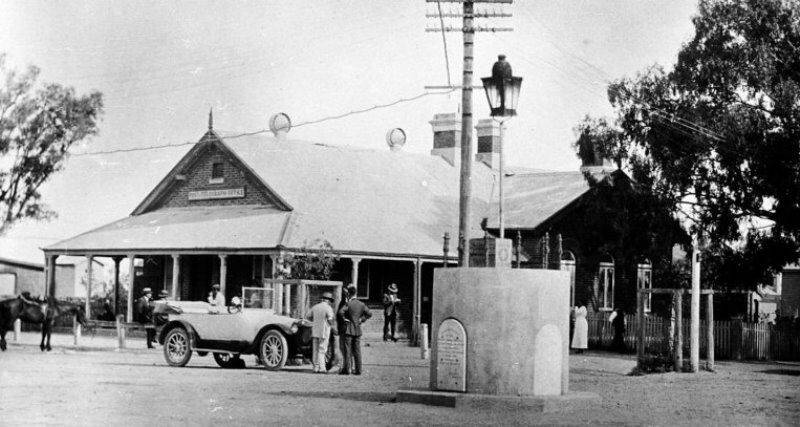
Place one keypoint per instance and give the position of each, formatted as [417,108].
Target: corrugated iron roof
[185,228]
[532,197]
[364,200]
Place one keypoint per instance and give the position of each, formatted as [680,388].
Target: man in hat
[216,298]
[341,321]
[144,310]
[161,318]
[355,313]
[390,303]
[321,317]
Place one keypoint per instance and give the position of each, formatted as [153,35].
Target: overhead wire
[260,131]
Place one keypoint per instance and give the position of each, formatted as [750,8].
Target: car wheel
[225,360]
[273,350]
[177,347]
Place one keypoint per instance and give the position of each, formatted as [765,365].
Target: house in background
[17,277]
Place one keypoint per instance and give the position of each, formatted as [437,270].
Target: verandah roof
[224,227]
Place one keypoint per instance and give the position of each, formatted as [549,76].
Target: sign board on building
[451,356]
[223,193]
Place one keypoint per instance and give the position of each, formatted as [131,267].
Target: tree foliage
[718,136]
[38,126]
[314,261]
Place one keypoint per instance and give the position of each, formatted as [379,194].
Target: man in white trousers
[321,317]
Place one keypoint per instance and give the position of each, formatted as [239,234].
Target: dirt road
[136,387]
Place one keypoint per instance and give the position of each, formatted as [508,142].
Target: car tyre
[273,350]
[177,347]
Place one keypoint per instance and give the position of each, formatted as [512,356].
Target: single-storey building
[18,276]
[234,205]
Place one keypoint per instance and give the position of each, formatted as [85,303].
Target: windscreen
[257,298]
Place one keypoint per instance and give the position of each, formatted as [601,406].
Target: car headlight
[295,327]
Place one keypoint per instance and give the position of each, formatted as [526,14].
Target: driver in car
[216,299]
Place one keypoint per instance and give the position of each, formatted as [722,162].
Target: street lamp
[502,92]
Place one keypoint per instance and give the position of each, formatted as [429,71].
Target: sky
[162,65]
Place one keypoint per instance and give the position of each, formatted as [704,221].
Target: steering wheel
[236,305]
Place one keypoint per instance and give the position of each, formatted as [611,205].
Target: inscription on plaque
[451,356]
[226,193]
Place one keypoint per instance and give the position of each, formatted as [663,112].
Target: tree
[38,126]
[718,136]
[314,261]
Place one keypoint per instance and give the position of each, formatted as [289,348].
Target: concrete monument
[513,327]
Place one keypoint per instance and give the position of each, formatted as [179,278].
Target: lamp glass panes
[502,94]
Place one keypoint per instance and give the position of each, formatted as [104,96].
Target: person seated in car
[255,301]
[216,299]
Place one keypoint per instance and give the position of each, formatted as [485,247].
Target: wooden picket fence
[733,339]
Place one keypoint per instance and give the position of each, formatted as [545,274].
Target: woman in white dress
[580,338]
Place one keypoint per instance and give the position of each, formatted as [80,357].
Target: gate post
[710,319]
[640,327]
[17,331]
[120,332]
[678,331]
[76,331]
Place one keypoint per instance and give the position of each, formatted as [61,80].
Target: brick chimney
[488,132]
[447,137]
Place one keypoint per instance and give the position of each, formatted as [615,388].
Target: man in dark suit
[354,313]
[341,323]
[144,310]
[390,303]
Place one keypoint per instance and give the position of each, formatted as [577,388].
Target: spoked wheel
[274,350]
[228,361]
[177,347]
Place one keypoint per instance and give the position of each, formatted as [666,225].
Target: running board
[209,350]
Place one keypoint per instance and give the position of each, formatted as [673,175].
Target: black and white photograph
[400,212]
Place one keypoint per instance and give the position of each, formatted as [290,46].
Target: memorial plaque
[451,356]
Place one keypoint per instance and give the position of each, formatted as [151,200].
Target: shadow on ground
[371,396]
[792,372]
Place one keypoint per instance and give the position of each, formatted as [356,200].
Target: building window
[606,285]
[568,264]
[644,280]
[217,174]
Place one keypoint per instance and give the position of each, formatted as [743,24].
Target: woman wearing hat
[390,303]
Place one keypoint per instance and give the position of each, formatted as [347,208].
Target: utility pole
[465,184]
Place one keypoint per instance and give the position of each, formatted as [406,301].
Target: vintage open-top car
[244,327]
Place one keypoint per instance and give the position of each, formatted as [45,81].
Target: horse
[54,309]
[17,308]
